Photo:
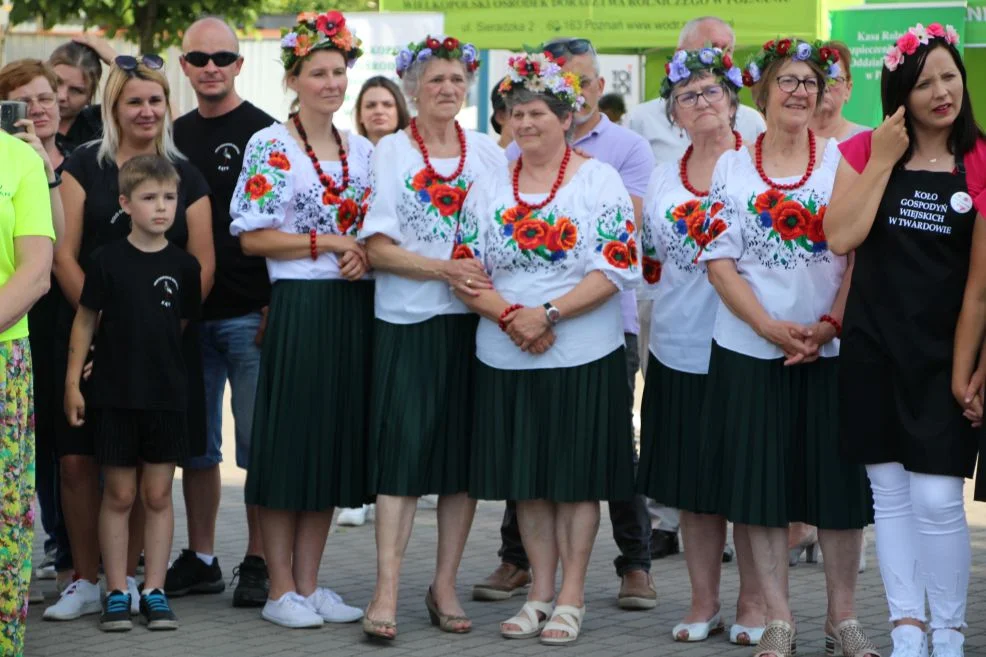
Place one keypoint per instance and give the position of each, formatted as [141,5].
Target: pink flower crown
[919,35]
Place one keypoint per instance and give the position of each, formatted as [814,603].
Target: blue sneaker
[156,611]
[116,613]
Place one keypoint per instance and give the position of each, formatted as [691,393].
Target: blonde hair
[115,83]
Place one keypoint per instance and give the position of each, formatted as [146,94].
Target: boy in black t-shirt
[141,291]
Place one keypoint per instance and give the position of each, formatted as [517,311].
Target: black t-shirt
[88,125]
[103,220]
[216,146]
[143,297]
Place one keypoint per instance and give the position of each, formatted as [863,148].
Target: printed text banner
[611,24]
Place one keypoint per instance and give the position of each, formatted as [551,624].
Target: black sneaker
[663,544]
[157,612]
[189,575]
[116,613]
[254,583]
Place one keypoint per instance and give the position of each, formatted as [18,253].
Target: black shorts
[125,437]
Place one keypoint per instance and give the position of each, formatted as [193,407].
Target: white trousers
[922,542]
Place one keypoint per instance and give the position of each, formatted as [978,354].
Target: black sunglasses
[130,64]
[571,46]
[200,59]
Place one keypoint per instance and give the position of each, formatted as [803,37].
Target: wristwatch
[554,315]
[56,182]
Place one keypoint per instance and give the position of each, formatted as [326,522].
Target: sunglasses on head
[569,47]
[200,59]
[129,63]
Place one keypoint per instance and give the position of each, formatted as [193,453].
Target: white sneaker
[353,517]
[134,595]
[291,610]
[329,605]
[81,598]
[947,643]
[909,641]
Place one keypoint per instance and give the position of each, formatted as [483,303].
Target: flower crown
[800,51]
[540,73]
[437,46]
[919,35]
[683,63]
[317,32]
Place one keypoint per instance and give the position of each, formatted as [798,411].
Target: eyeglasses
[200,59]
[129,63]
[837,82]
[47,101]
[712,94]
[570,46]
[789,84]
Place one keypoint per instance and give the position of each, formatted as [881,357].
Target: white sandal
[527,620]
[572,625]
[698,631]
[753,634]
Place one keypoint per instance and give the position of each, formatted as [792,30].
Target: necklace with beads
[460,133]
[326,180]
[554,188]
[683,168]
[791,186]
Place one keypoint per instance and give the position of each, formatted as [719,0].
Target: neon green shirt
[25,209]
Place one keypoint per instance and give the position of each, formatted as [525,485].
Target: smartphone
[12,111]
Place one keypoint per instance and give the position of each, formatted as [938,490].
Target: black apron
[895,378]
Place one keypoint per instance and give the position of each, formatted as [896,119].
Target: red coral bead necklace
[554,188]
[460,133]
[758,151]
[683,167]
[326,181]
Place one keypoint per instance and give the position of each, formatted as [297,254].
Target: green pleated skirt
[421,406]
[772,434]
[560,434]
[308,444]
[670,450]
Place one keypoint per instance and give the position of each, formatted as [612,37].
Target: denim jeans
[228,353]
[631,524]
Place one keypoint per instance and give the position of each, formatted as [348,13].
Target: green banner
[611,24]
[869,31]
[975,21]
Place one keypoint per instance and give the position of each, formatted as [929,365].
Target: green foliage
[293,7]
[152,24]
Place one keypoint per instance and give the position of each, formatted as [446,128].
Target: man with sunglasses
[213,137]
[650,121]
[628,153]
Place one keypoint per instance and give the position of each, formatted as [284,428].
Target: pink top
[856,151]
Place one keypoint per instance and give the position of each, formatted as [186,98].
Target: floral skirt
[16,491]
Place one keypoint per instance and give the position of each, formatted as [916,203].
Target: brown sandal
[375,628]
[445,622]
[778,639]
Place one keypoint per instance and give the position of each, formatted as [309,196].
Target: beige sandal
[849,640]
[527,620]
[778,639]
[569,621]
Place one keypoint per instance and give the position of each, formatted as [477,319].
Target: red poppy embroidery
[257,186]
[328,198]
[652,270]
[448,200]
[513,215]
[347,215]
[562,236]
[768,200]
[462,252]
[422,180]
[279,160]
[790,219]
[686,209]
[617,254]
[530,233]
[816,232]
[632,248]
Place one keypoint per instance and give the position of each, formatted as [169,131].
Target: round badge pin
[961,202]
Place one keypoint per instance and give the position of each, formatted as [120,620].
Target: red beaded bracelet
[834,322]
[313,239]
[503,315]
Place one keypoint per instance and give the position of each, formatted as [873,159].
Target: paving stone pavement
[210,627]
